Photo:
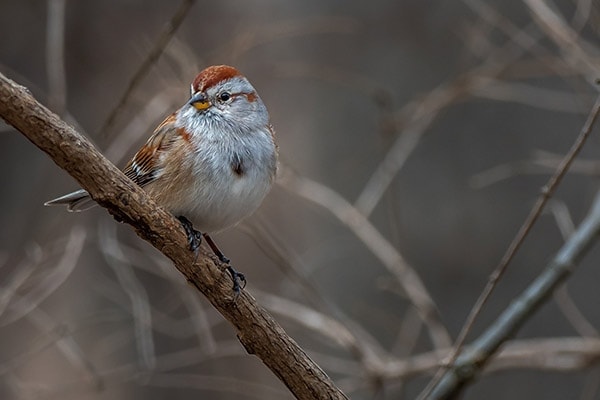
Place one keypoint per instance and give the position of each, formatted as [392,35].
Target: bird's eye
[225,96]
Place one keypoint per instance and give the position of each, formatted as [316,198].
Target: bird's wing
[144,167]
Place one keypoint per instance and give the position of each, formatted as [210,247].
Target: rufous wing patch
[143,167]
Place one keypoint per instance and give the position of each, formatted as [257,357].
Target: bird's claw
[194,241]
[194,236]
[237,278]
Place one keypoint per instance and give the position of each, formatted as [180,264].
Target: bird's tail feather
[75,202]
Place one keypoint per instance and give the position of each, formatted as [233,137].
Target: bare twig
[258,332]
[58,334]
[573,314]
[473,360]
[562,297]
[547,192]
[38,288]
[164,38]
[541,162]
[535,295]
[529,95]
[55,56]
[254,36]
[582,14]
[362,345]
[420,114]
[221,384]
[377,243]
[552,354]
[138,126]
[140,304]
[577,52]
[312,319]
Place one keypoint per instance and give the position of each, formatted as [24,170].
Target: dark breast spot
[237,165]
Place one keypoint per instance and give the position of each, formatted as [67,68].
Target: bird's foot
[194,236]
[237,278]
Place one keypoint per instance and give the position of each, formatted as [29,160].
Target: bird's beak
[200,101]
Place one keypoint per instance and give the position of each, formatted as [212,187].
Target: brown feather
[144,166]
[213,75]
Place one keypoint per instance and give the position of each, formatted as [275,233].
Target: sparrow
[210,163]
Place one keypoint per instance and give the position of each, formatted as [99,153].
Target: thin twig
[168,31]
[420,114]
[573,314]
[253,36]
[551,354]
[363,345]
[577,52]
[547,192]
[529,95]
[57,334]
[140,304]
[540,163]
[55,56]
[45,283]
[388,255]
[472,361]
[566,304]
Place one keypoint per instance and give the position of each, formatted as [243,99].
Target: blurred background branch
[414,138]
[468,365]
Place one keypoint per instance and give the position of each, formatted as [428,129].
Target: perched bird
[210,163]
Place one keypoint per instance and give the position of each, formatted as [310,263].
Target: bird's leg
[236,276]
[194,241]
[194,236]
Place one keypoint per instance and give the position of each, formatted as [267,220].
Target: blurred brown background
[484,100]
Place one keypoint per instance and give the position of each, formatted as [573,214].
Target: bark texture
[258,332]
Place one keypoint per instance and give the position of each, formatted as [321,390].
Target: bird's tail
[75,202]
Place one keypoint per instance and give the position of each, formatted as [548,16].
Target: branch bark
[258,332]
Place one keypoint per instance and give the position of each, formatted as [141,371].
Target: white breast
[222,194]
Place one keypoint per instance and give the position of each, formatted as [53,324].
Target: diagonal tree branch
[258,332]
[448,384]
[480,353]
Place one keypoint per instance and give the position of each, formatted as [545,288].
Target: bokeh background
[460,110]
